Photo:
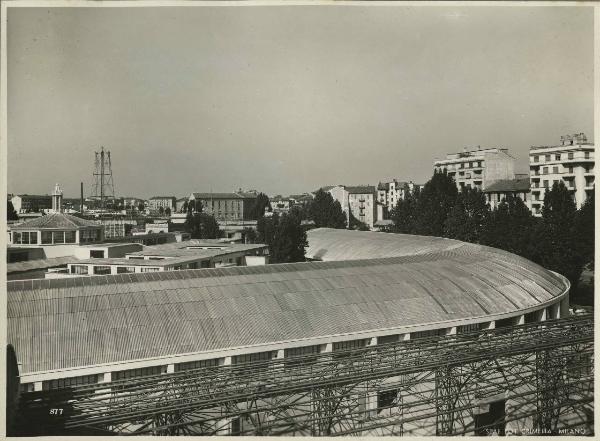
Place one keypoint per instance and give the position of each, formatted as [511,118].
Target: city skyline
[285,99]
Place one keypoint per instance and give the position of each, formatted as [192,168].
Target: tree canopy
[466,220]
[261,204]
[289,240]
[202,226]
[11,214]
[324,211]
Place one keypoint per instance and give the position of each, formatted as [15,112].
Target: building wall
[572,164]
[339,193]
[363,207]
[155,204]
[498,166]
[495,198]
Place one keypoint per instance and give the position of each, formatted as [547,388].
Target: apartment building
[572,161]
[157,202]
[478,168]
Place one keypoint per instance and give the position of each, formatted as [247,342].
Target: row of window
[24,237]
[105,269]
[558,156]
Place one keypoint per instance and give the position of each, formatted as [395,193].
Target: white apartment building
[478,168]
[156,202]
[389,193]
[572,162]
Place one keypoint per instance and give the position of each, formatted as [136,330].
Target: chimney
[57,195]
[81,203]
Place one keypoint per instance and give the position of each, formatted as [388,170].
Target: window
[252,358]
[386,399]
[46,237]
[545,170]
[546,183]
[570,170]
[137,373]
[63,383]
[101,269]
[536,158]
[548,158]
[425,334]
[125,269]
[198,364]
[149,270]
[58,237]
[571,155]
[301,356]
[79,269]
[345,348]
[465,329]
[587,155]
[70,236]
[554,169]
[386,339]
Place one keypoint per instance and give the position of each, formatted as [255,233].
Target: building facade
[362,204]
[25,203]
[231,207]
[478,168]
[157,202]
[572,162]
[495,193]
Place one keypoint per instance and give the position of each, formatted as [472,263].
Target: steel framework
[530,379]
[104,186]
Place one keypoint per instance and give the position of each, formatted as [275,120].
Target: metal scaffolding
[529,379]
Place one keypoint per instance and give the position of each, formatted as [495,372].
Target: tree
[510,227]
[202,226]
[168,211]
[558,248]
[141,206]
[434,204]
[261,203]
[585,230]
[161,210]
[11,214]
[265,229]
[289,240]
[184,207]
[325,212]
[466,220]
[249,235]
[404,214]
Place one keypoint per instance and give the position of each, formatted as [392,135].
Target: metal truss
[530,379]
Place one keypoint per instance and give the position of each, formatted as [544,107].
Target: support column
[170,368]
[38,386]
[491,325]
[227,361]
[451,331]
[520,320]
[405,337]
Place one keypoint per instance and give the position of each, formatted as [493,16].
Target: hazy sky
[285,99]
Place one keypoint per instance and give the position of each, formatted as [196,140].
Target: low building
[495,193]
[194,254]
[229,207]
[572,162]
[156,203]
[26,203]
[478,168]
[57,233]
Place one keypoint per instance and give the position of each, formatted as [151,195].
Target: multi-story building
[478,168]
[31,203]
[232,207]
[362,204]
[388,195]
[496,192]
[572,162]
[157,202]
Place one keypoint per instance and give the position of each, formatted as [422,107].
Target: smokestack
[81,198]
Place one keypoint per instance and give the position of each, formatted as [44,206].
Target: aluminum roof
[84,321]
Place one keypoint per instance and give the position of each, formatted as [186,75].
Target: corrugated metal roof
[107,319]
[29,265]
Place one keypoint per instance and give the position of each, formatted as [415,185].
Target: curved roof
[75,322]
[56,220]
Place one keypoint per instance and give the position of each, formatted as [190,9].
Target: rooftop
[224,195]
[85,321]
[30,265]
[153,198]
[508,185]
[56,221]
[361,189]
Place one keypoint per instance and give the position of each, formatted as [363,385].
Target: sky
[285,99]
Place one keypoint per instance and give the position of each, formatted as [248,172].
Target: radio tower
[103,179]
